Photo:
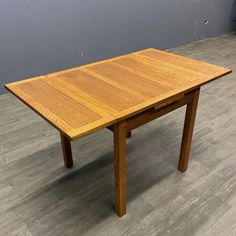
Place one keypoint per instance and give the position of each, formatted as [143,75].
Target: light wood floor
[38,196]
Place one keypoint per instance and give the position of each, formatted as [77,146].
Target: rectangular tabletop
[80,100]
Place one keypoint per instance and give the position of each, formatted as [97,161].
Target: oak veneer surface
[80,100]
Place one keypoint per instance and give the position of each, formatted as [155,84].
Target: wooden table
[120,94]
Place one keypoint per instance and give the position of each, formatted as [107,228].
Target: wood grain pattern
[180,61]
[75,114]
[81,100]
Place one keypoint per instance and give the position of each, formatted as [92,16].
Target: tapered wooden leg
[67,152]
[190,116]
[120,167]
[128,134]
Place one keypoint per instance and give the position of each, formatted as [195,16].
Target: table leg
[129,134]
[188,132]
[67,152]
[120,167]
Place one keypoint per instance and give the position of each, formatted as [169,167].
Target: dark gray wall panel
[38,37]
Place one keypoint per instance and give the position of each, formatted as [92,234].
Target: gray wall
[38,37]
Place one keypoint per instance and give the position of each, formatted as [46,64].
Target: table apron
[156,111]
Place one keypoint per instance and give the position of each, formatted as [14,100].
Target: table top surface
[81,100]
